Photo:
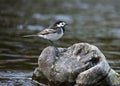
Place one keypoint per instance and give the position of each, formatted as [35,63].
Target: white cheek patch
[60,25]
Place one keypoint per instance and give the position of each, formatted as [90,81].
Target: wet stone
[81,64]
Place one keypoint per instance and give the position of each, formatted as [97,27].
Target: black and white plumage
[53,32]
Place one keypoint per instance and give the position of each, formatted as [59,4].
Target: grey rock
[81,64]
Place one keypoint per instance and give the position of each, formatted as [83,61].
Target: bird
[52,33]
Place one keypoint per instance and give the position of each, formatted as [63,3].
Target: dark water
[96,22]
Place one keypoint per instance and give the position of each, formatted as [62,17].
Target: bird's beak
[66,24]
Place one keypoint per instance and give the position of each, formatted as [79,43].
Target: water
[94,22]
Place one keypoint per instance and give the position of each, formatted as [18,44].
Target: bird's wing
[47,31]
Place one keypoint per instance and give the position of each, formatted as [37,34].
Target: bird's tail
[30,35]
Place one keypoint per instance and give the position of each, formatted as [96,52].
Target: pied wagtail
[53,32]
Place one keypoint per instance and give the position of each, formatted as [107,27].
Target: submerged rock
[81,64]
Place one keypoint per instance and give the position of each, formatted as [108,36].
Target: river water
[96,22]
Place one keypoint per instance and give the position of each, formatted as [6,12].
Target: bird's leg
[52,43]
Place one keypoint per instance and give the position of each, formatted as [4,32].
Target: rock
[81,64]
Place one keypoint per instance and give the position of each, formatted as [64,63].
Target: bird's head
[60,24]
